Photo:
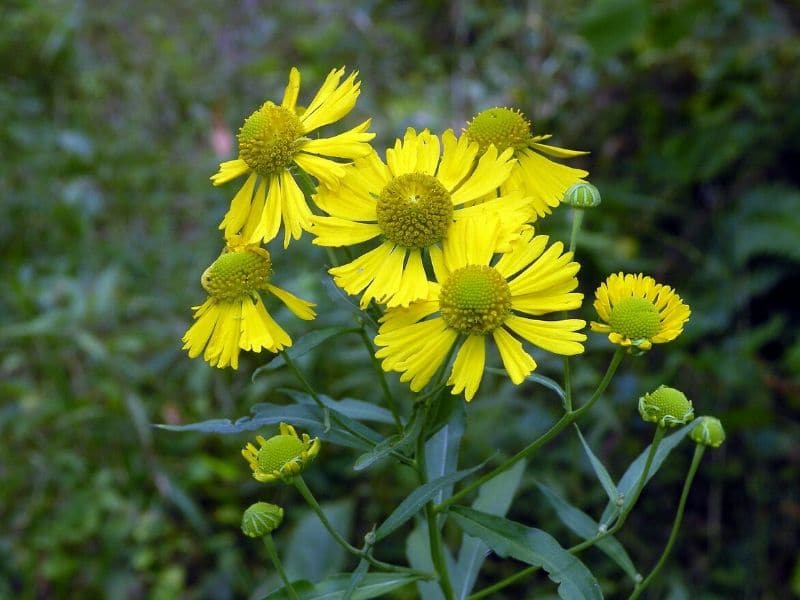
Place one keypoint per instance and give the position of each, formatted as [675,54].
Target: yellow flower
[637,312]
[410,204]
[272,141]
[282,456]
[234,318]
[535,175]
[473,298]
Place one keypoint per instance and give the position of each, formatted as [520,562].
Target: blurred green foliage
[111,112]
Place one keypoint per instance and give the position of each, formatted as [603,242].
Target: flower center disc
[635,318]
[475,299]
[503,127]
[414,210]
[269,139]
[277,451]
[236,274]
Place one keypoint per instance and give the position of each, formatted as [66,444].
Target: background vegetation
[114,115]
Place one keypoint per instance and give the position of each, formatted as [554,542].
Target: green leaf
[599,469]
[634,472]
[587,528]
[356,578]
[311,533]
[303,346]
[551,384]
[418,553]
[441,450]
[374,585]
[359,428]
[532,546]
[396,442]
[494,498]
[417,499]
[355,409]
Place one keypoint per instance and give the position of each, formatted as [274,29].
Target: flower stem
[434,534]
[676,524]
[273,555]
[567,419]
[577,219]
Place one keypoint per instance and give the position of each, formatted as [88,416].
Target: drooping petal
[559,337]
[268,218]
[518,363]
[334,231]
[468,367]
[413,281]
[301,308]
[295,211]
[327,171]
[239,210]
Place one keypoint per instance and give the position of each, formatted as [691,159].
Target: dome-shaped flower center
[269,139]
[503,127]
[279,450]
[666,406]
[475,299]
[635,318]
[236,274]
[414,210]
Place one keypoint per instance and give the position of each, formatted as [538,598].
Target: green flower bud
[708,431]
[582,195]
[667,407]
[261,518]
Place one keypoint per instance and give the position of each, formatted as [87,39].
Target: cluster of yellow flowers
[443,225]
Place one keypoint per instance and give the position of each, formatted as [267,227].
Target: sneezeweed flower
[283,456]
[708,431]
[666,406]
[409,206]
[273,141]
[261,519]
[234,317]
[535,175]
[636,312]
[476,297]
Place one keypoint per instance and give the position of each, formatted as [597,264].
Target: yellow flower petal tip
[636,312]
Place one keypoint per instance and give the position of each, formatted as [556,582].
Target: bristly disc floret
[475,299]
[635,318]
[238,273]
[269,139]
[414,210]
[503,127]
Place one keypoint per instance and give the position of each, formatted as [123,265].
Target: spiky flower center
[414,210]
[666,406]
[475,299]
[237,274]
[503,127]
[635,318]
[279,450]
[269,139]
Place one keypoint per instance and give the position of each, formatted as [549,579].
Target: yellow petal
[332,101]
[457,159]
[228,170]
[301,308]
[350,144]
[402,159]
[269,219]
[292,90]
[327,171]
[490,173]
[518,363]
[333,231]
[239,210]
[413,281]
[558,337]
[468,367]
[295,211]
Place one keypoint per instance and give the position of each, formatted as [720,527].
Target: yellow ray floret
[636,312]
[274,143]
[478,295]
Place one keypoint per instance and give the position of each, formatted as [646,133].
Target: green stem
[566,420]
[567,386]
[657,437]
[676,524]
[382,379]
[273,555]
[577,219]
[304,490]
[434,534]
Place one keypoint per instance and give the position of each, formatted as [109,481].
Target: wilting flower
[273,141]
[409,206]
[637,312]
[535,176]
[234,317]
[282,456]
[478,295]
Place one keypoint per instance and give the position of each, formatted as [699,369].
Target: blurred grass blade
[533,546]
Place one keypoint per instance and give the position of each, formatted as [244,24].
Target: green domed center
[269,139]
[414,210]
[635,318]
[279,450]
[666,406]
[475,299]
[503,127]
[236,274]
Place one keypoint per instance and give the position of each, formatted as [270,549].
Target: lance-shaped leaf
[533,546]
[302,346]
[397,442]
[374,585]
[355,409]
[599,469]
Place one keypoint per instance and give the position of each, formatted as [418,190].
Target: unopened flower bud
[582,195]
[708,431]
[261,518]
[666,407]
